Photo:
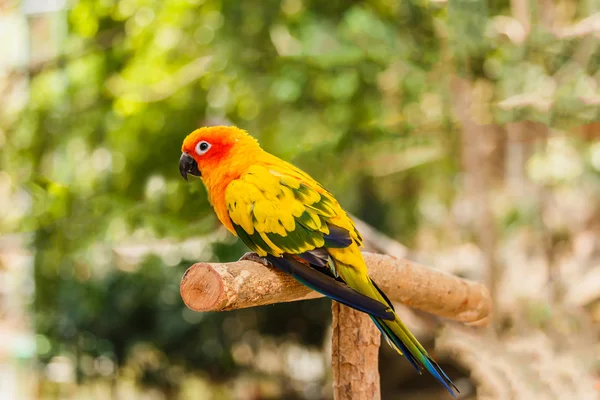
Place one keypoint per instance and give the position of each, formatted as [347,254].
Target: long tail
[401,339]
[395,332]
[364,295]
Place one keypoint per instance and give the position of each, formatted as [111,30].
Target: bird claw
[251,256]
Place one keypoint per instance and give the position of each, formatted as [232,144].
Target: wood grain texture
[242,284]
[354,355]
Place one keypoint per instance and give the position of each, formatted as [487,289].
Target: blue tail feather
[332,288]
[397,342]
[425,361]
[380,311]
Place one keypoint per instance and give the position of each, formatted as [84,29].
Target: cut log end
[202,288]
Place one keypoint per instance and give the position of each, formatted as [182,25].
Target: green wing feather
[279,217]
[280,214]
[285,216]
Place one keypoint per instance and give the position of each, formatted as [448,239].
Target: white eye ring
[202,147]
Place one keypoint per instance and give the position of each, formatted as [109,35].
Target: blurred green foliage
[356,93]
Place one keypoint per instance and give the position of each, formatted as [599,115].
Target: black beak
[187,165]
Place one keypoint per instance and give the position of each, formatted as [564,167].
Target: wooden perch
[242,284]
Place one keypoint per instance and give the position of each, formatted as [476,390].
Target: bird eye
[202,147]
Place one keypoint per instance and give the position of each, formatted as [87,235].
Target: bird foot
[251,256]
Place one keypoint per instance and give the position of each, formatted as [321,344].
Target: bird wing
[282,214]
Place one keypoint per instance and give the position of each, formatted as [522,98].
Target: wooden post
[355,339]
[354,355]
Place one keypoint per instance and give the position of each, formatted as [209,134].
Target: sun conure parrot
[291,221]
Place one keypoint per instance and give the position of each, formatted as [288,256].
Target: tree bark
[478,143]
[354,355]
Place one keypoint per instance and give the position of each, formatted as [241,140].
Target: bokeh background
[465,133]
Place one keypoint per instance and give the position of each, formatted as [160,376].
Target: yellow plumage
[287,217]
[262,201]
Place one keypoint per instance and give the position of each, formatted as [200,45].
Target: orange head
[211,149]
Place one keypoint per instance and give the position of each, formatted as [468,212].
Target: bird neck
[217,179]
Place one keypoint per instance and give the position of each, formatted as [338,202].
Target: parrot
[291,222]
